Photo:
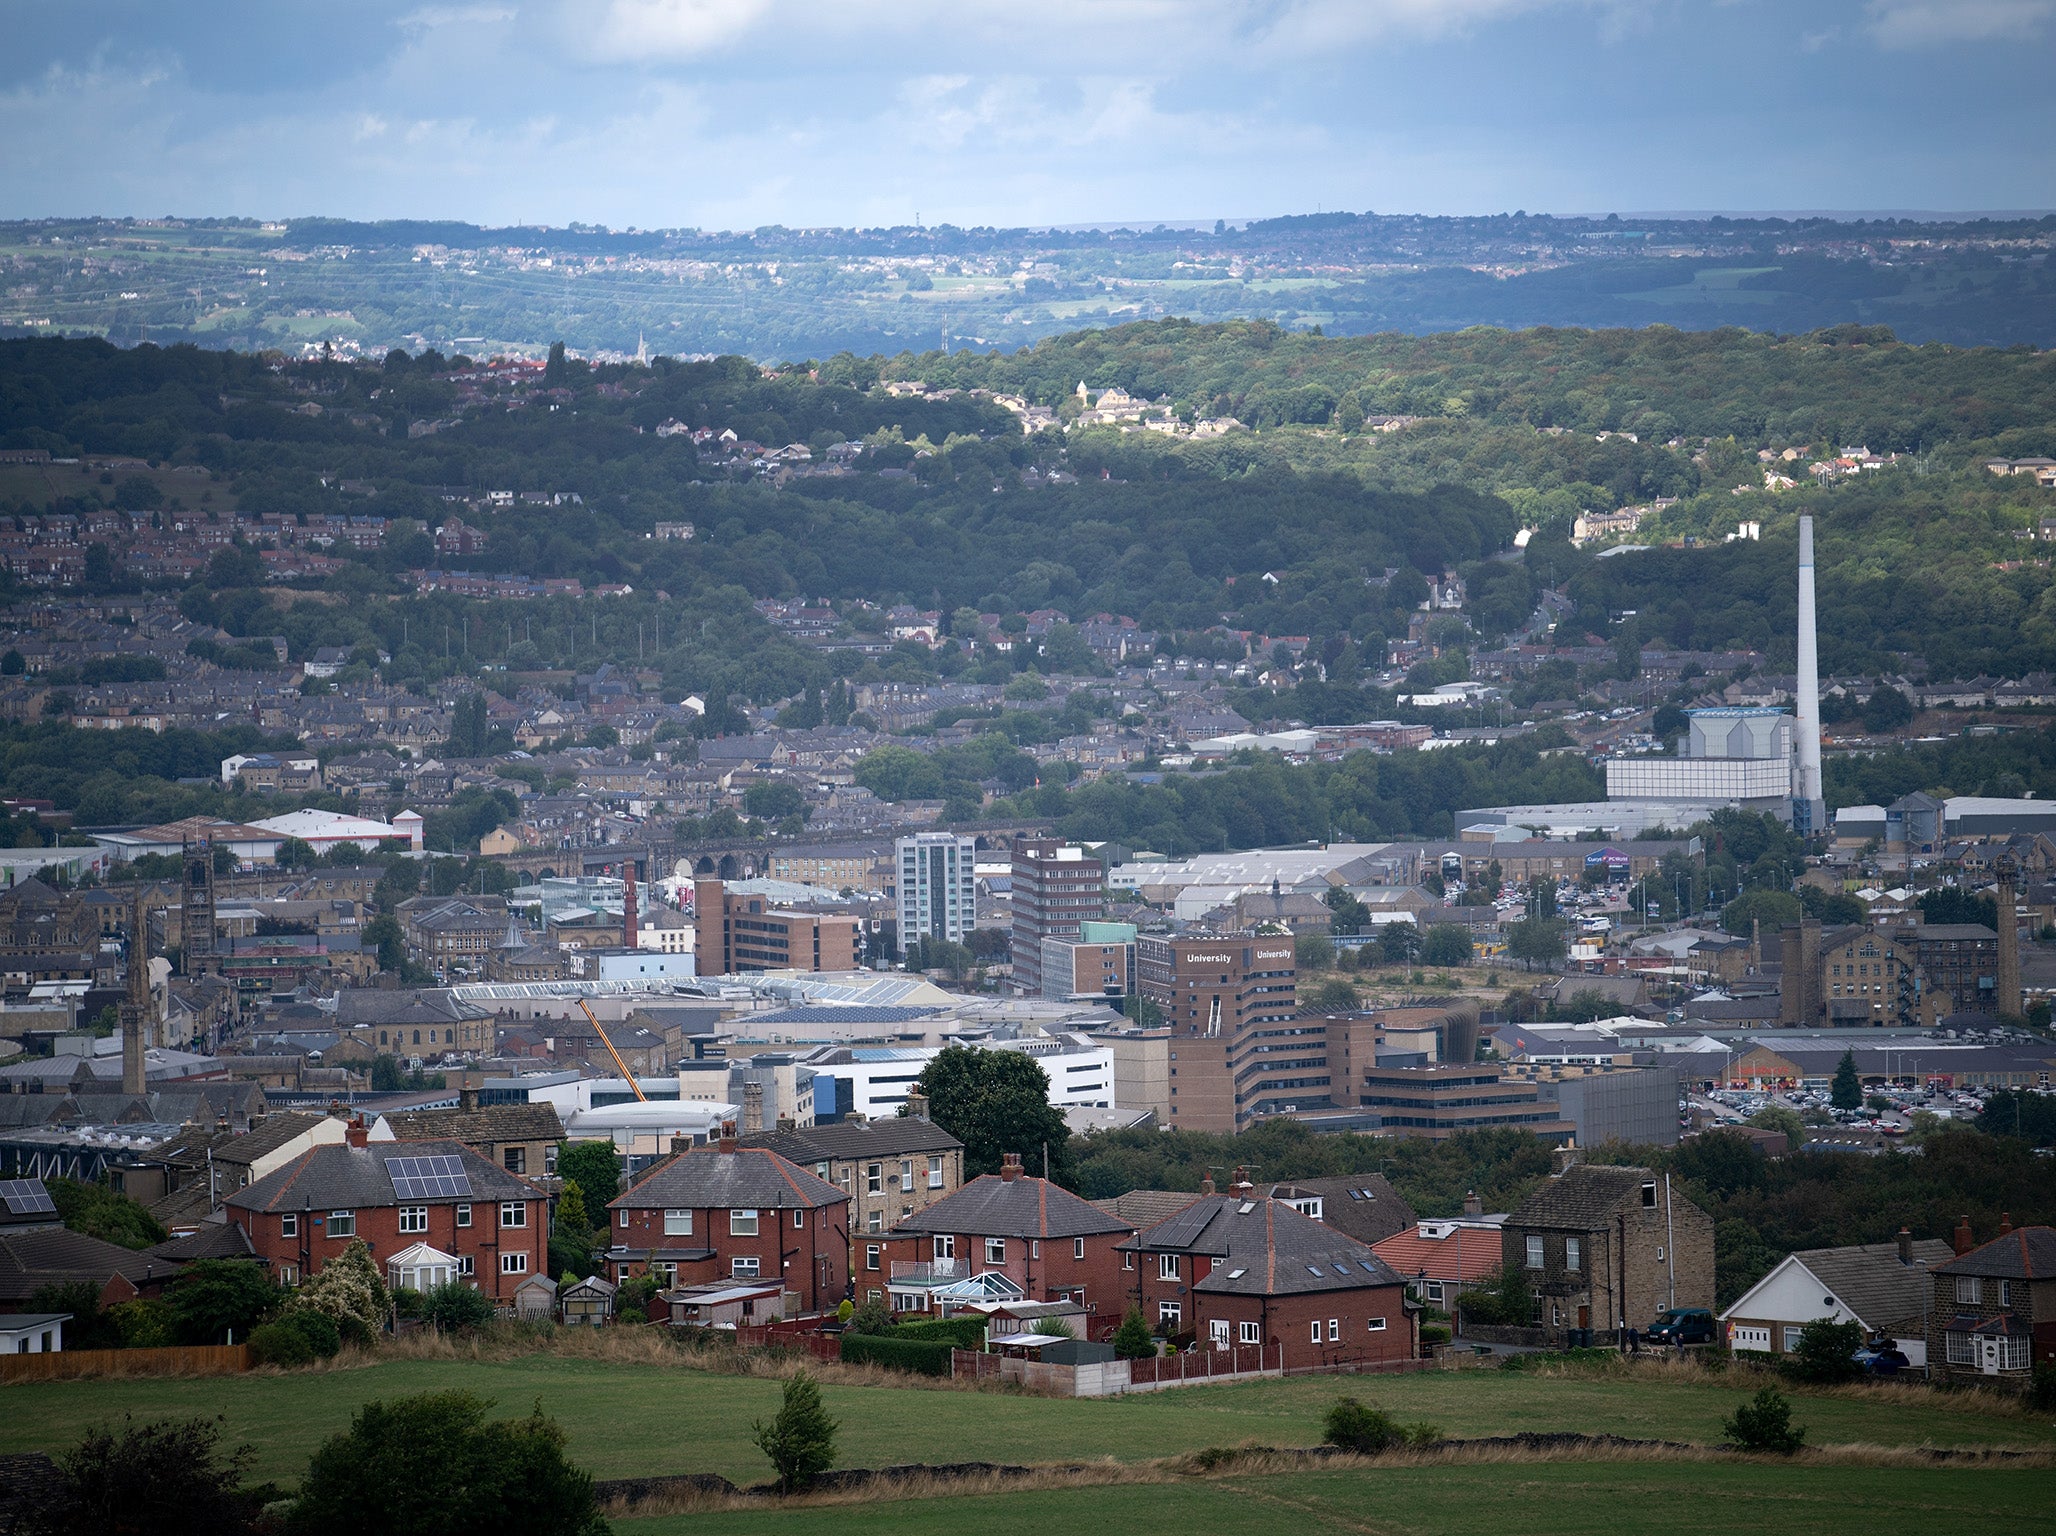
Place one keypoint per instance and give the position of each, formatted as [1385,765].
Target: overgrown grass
[632,1404]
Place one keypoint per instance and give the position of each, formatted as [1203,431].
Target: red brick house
[1043,1238]
[724,1212]
[1242,1269]
[394,1195]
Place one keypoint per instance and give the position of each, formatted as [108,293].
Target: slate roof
[1264,1247]
[1146,1207]
[343,1178]
[749,1178]
[895,1136]
[260,1140]
[1582,1199]
[488,1123]
[1361,1205]
[1025,1207]
[213,1240]
[2027,1253]
[1871,1282]
[54,1255]
[358,1006]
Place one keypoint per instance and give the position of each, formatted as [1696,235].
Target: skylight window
[1313,1269]
[1237,1274]
[1248,1206]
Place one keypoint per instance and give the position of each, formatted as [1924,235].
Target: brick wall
[1370,1323]
[298,1254]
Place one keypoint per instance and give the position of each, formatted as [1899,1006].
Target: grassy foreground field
[1617,1499]
[638,1419]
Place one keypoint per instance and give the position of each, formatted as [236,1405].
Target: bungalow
[1884,1287]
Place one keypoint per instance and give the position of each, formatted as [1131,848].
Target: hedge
[923,1357]
[964,1332]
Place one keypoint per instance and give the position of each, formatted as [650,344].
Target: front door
[1585,1316]
[1988,1354]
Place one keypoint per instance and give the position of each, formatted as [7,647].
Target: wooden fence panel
[186,1360]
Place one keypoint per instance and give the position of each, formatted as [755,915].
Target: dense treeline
[1763,1208]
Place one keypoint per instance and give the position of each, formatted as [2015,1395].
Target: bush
[964,1332]
[1433,1334]
[1764,1424]
[2041,1386]
[145,1324]
[1355,1426]
[456,1307]
[1506,1300]
[1826,1353]
[800,1440]
[432,1465]
[167,1477]
[922,1357]
[871,1317]
[280,1344]
[218,1300]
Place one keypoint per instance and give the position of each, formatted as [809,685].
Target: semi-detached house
[492,1225]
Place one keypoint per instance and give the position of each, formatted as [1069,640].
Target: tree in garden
[1827,1352]
[217,1301]
[995,1102]
[432,1465]
[800,1438]
[350,1290]
[1133,1340]
[594,1167]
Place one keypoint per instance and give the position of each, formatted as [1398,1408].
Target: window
[1127,1261]
[2013,1354]
[946,1247]
[1534,1253]
[1314,1328]
[874,1221]
[289,1225]
[513,1213]
[743,1268]
[464,1216]
[1435,1291]
[1170,1312]
[676,1223]
[513,1263]
[935,1173]
[666,1275]
[515,1159]
[906,1174]
[821,1172]
[874,1178]
[871,1255]
[1167,1266]
[1649,1196]
[621,1220]
[1792,1338]
[799,1218]
[742,1223]
[1377,1325]
[1250,1335]
[288,1274]
[1962,1351]
[1334,1329]
[2005,1293]
[1034,1248]
[342,1223]
[466,1264]
[413,1218]
[1573,1253]
[995,1250]
[1077,1247]
[1966,1290]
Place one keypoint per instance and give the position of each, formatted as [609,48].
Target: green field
[1678,1499]
[629,1420]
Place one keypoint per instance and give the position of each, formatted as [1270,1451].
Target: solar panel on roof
[429,1178]
[26,1197]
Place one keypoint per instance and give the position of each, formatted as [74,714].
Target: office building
[747,933]
[1098,964]
[1055,890]
[1437,1102]
[937,881]
[1237,1052]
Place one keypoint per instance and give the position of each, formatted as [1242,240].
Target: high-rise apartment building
[937,882]
[1055,890]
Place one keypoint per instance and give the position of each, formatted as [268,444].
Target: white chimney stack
[1809,810]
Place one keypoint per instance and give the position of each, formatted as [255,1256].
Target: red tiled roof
[1410,1253]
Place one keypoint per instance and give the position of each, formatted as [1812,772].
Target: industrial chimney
[2008,1000]
[1809,810]
[135,1002]
[628,917]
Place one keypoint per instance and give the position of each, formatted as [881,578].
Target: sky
[730,114]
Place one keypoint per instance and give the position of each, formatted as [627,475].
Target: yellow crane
[640,1096]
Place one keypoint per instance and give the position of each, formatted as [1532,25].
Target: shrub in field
[1764,1424]
[800,1439]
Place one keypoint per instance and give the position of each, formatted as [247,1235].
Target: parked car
[1681,1325]
[1885,1359]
